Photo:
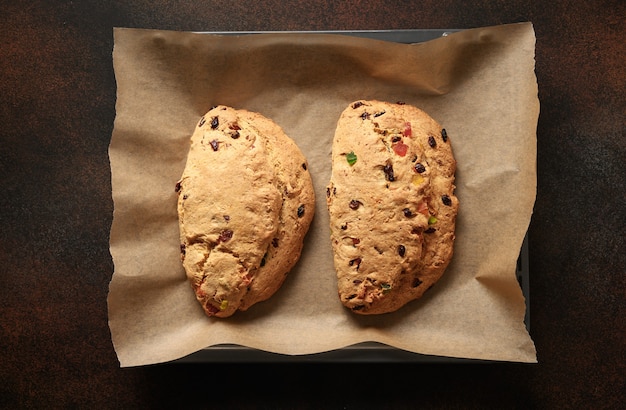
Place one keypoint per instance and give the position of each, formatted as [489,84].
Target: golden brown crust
[391,203]
[245,203]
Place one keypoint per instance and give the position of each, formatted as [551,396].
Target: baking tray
[369,352]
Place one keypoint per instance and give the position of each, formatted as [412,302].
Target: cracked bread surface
[391,203]
[245,204]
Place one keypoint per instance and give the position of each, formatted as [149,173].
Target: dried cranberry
[354,204]
[357,104]
[356,241]
[300,211]
[365,115]
[401,250]
[225,235]
[215,122]
[235,130]
[432,142]
[215,145]
[444,135]
[388,170]
[446,200]
[356,262]
[210,309]
[419,168]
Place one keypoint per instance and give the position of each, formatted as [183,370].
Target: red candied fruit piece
[422,208]
[408,131]
[400,148]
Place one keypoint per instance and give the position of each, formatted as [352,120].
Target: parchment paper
[479,84]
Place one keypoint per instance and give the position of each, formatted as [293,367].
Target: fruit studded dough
[245,203]
[391,203]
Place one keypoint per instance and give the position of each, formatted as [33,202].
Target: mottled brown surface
[57,91]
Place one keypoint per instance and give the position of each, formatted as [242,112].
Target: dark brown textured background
[57,107]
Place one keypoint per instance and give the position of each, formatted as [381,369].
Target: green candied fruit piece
[386,287]
[351,158]
[224,305]
[432,220]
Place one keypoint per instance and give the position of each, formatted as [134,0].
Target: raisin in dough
[391,203]
[245,203]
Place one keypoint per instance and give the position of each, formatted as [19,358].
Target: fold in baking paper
[479,84]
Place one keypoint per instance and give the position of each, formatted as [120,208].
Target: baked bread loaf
[245,203]
[391,203]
